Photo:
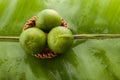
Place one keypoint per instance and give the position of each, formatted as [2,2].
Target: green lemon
[60,39]
[48,19]
[33,40]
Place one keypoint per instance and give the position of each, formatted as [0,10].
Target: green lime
[33,40]
[48,19]
[60,39]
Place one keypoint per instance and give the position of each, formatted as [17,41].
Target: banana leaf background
[89,59]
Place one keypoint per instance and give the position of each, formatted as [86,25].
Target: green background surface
[97,59]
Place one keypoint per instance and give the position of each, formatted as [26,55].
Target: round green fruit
[33,40]
[60,39]
[48,19]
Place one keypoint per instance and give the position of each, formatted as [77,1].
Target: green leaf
[97,59]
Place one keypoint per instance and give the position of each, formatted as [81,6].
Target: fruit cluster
[47,33]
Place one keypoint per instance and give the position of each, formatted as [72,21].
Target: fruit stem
[95,36]
[64,35]
[9,38]
[79,36]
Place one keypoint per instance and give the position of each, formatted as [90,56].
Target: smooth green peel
[33,40]
[60,39]
[48,19]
